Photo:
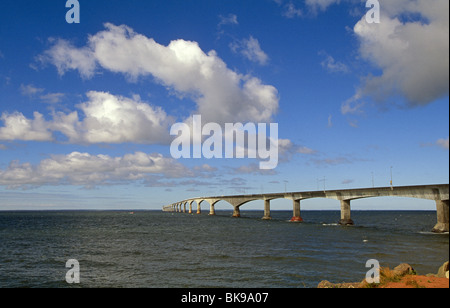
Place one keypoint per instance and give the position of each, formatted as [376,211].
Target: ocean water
[152,249]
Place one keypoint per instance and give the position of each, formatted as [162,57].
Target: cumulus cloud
[18,127]
[221,94]
[106,118]
[411,47]
[114,119]
[90,170]
[67,57]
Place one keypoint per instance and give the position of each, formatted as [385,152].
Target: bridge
[437,193]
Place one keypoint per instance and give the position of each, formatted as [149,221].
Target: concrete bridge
[437,193]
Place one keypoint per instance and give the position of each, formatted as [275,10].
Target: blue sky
[86,108]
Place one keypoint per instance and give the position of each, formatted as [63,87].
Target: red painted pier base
[296,215]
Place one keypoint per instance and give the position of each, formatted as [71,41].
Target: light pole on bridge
[392,183]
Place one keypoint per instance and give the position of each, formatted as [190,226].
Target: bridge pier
[199,208]
[296,217]
[442,225]
[236,212]
[345,214]
[212,211]
[267,210]
[190,207]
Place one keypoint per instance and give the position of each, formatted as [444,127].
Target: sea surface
[152,249]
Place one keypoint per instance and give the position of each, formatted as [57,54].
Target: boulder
[403,269]
[442,270]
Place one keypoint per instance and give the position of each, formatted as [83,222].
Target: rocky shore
[403,276]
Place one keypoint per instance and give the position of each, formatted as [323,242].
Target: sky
[86,108]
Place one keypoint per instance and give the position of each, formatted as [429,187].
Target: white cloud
[106,119]
[252,169]
[251,49]
[411,47]
[52,98]
[331,161]
[313,6]
[347,181]
[444,143]
[67,57]
[331,65]
[114,119]
[354,104]
[90,170]
[18,127]
[305,150]
[230,19]
[220,93]
[321,4]
[30,90]
[330,120]
[291,11]
[352,107]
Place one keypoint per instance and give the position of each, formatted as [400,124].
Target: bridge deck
[438,193]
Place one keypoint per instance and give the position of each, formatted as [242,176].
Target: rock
[325,284]
[442,270]
[403,269]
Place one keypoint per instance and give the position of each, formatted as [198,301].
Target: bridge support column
[199,209]
[296,215]
[212,211]
[267,210]
[442,217]
[184,208]
[236,212]
[345,214]
[190,207]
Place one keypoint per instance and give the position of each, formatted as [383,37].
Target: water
[152,249]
